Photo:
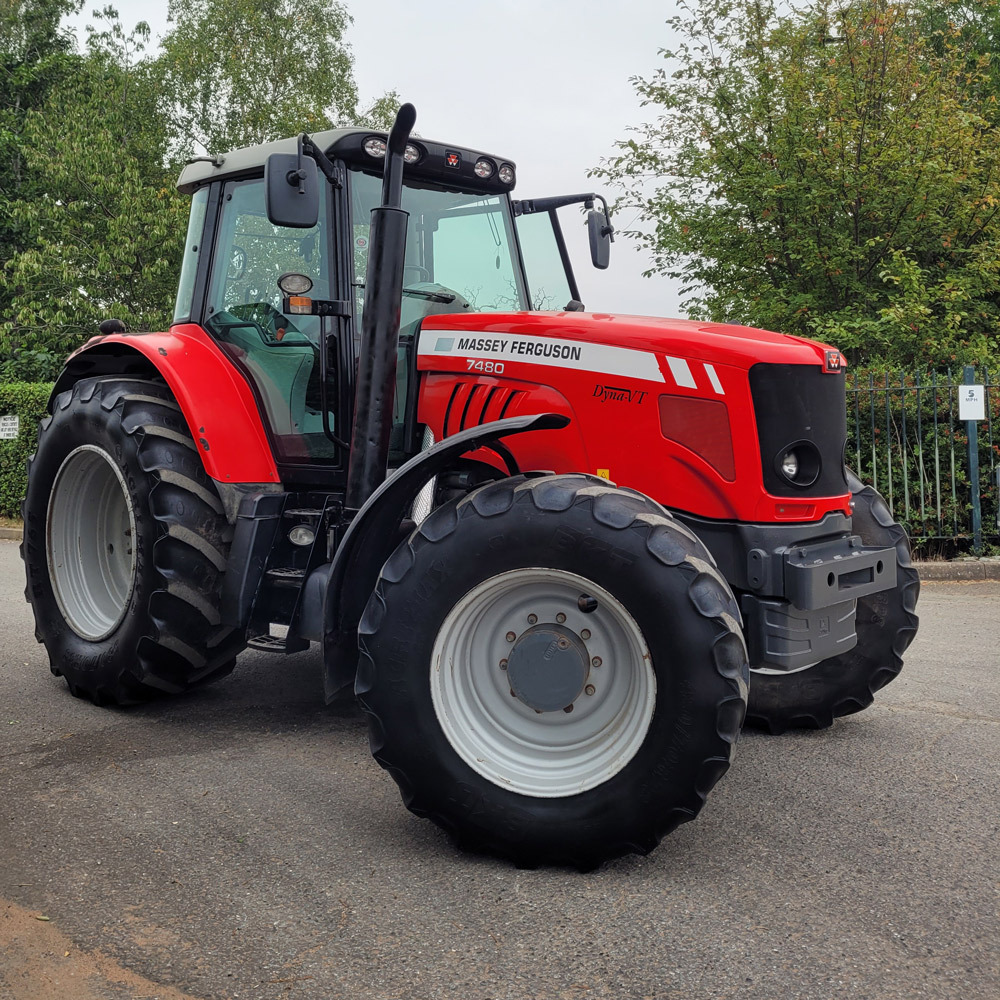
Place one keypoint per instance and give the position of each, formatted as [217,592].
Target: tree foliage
[107,226]
[830,171]
[241,72]
[34,55]
[91,141]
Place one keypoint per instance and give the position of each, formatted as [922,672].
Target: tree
[99,223]
[34,55]
[104,226]
[827,172]
[241,72]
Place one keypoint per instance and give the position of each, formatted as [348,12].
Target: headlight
[798,463]
[790,465]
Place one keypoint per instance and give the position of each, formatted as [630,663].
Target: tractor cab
[286,302]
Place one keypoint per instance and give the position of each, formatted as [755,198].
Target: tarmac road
[241,843]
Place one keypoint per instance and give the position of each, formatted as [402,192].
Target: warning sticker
[10,426]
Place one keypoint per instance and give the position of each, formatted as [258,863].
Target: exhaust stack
[376,382]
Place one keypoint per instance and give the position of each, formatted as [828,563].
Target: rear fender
[374,531]
[217,403]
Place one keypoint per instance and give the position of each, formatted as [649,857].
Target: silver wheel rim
[90,532]
[541,754]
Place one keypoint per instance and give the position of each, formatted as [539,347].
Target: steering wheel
[271,325]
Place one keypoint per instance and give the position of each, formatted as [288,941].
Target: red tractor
[338,441]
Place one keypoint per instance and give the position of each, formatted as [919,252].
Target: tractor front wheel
[125,545]
[886,623]
[553,671]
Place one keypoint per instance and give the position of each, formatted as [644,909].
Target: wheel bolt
[503,664]
[590,689]
[511,636]
[560,618]
[568,709]
[532,619]
[596,661]
[585,634]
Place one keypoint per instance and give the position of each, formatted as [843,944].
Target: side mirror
[291,190]
[600,238]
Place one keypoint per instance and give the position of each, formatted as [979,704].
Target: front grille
[800,403]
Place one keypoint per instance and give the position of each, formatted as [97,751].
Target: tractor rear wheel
[553,671]
[886,624]
[125,545]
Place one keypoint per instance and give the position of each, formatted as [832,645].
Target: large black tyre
[125,545]
[886,624]
[515,781]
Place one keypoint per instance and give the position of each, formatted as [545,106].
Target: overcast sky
[542,82]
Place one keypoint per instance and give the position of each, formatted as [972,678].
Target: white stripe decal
[714,379]
[681,373]
[603,359]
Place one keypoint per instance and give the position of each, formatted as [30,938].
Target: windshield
[460,249]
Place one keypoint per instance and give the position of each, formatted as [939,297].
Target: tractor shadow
[267,695]
[265,689]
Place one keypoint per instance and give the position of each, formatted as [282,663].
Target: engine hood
[718,343]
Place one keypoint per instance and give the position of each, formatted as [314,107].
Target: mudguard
[217,403]
[374,531]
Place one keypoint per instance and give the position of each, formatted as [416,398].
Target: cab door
[278,353]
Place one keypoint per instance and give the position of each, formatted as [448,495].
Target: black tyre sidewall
[83,661]
[685,749]
[171,637]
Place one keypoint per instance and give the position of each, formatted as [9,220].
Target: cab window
[279,353]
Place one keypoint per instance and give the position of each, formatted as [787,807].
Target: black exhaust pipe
[376,383]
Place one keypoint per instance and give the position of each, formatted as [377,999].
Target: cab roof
[437,160]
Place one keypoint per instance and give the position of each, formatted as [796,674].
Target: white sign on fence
[10,425]
[971,402]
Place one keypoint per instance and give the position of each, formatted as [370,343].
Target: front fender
[217,403]
[372,535]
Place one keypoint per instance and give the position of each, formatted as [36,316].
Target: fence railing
[905,437]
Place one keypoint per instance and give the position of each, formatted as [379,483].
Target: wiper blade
[433,296]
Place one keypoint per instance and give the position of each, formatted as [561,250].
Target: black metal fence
[937,472]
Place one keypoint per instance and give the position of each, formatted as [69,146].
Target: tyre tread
[559,493]
[184,645]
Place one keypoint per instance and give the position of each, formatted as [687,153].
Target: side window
[548,285]
[192,254]
[278,352]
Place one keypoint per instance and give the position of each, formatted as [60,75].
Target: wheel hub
[548,667]
[581,714]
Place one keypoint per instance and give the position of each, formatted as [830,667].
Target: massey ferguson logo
[834,361]
[617,394]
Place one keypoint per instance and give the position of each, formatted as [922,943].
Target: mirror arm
[607,230]
[530,206]
[309,148]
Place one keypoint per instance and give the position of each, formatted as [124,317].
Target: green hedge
[28,401]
